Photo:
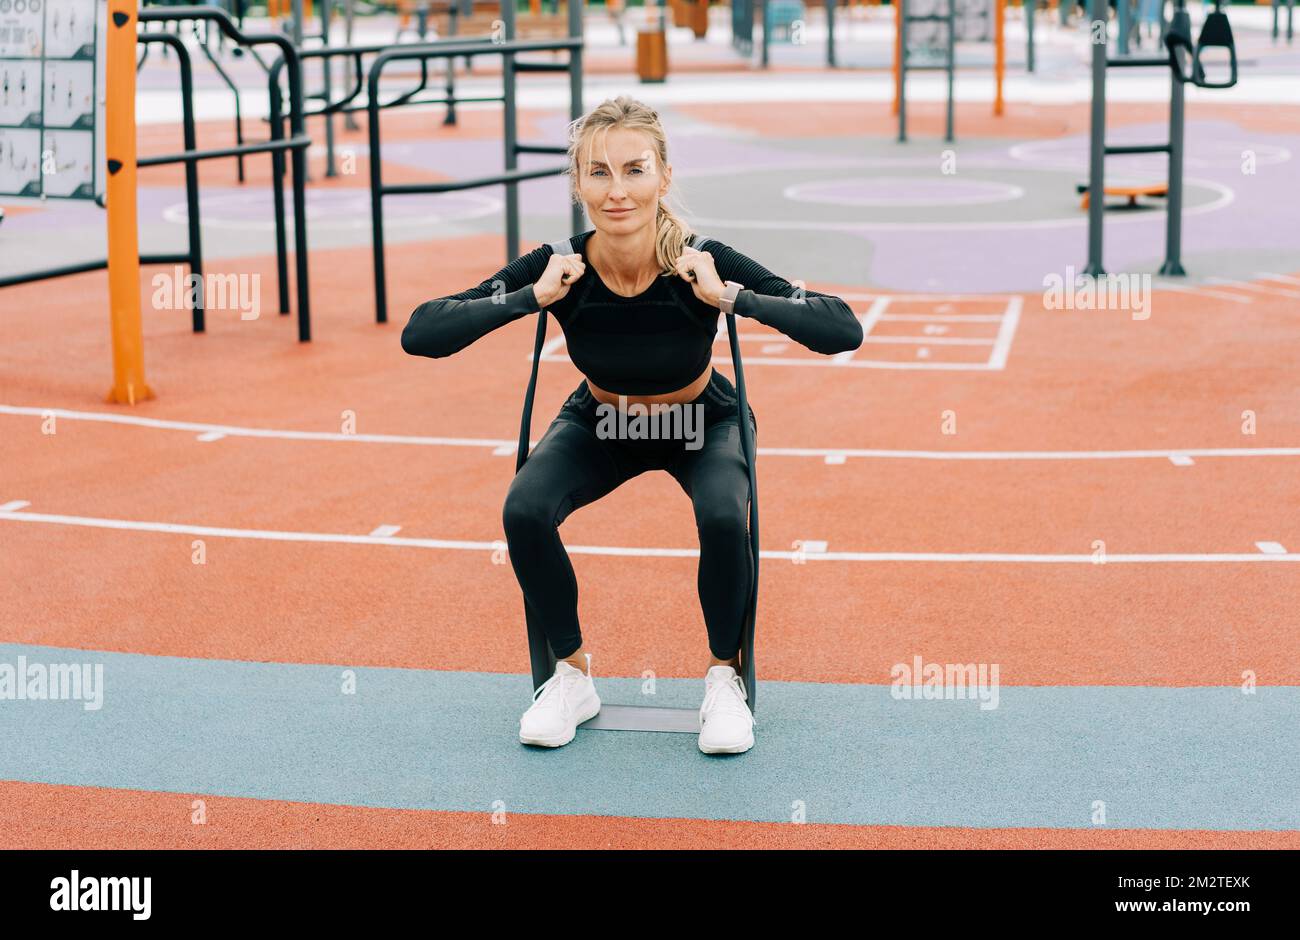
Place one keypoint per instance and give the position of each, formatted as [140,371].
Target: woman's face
[621,181]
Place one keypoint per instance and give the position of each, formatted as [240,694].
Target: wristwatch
[727,299]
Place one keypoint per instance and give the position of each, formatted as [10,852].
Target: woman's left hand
[707,284]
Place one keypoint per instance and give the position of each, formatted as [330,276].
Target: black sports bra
[659,341]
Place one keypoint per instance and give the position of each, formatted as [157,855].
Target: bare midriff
[679,397]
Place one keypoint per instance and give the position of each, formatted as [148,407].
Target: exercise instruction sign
[52,98]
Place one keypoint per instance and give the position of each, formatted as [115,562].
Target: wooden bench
[1132,192]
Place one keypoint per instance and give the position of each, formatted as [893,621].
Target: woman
[639,310]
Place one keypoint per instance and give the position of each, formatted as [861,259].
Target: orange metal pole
[129,385]
[1000,54]
[898,51]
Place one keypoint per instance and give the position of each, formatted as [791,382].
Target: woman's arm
[822,322]
[446,325]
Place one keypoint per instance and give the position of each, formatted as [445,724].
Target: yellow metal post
[129,385]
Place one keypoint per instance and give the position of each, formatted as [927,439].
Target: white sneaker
[560,704]
[726,723]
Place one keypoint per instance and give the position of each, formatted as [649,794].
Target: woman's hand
[706,283]
[562,271]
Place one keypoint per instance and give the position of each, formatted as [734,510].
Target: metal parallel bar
[376,191]
[195,254]
[12,280]
[462,47]
[269,146]
[289,52]
[1136,61]
[447,186]
[830,33]
[509,138]
[952,65]
[341,106]
[453,27]
[1029,35]
[1173,266]
[576,209]
[902,71]
[352,108]
[172,258]
[446,49]
[327,78]
[1137,148]
[1098,11]
[541,67]
[277,191]
[234,90]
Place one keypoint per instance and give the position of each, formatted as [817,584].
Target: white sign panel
[52,98]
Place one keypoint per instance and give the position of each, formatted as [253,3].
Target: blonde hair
[626,113]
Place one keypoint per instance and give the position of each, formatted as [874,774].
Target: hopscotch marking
[927,355]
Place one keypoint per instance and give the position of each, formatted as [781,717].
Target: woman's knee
[722,520]
[527,512]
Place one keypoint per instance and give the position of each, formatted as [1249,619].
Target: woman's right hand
[562,271]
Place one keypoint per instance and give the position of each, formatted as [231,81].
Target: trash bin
[652,51]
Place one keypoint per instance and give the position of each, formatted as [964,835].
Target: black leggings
[573,466]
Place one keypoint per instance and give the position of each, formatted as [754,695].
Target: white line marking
[508,447]
[1181,460]
[1031,454]
[1270,548]
[825,361]
[812,545]
[1184,289]
[930,340]
[232,431]
[552,344]
[505,450]
[1277,277]
[210,436]
[940,318]
[835,459]
[868,322]
[636,552]
[1010,319]
[14,505]
[1245,285]
[384,531]
[929,298]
